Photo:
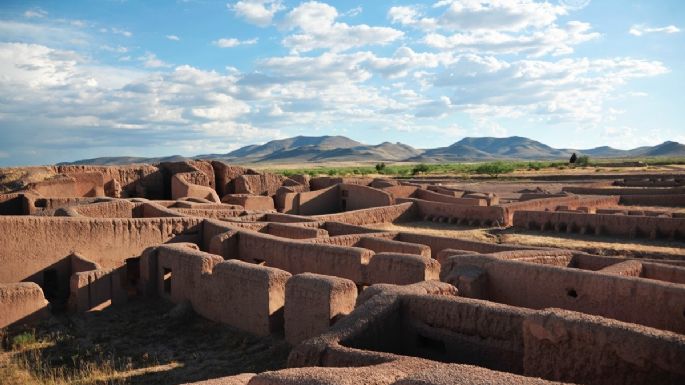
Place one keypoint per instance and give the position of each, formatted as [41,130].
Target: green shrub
[583,161]
[22,340]
[495,168]
[420,168]
[380,167]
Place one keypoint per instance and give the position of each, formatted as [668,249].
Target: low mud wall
[438,197]
[21,303]
[357,197]
[299,257]
[602,224]
[642,301]
[37,244]
[623,190]
[573,347]
[387,214]
[452,213]
[246,296]
[437,244]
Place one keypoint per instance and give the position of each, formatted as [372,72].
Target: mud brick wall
[387,214]
[314,302]
[471,215]
[609,224]
[573,347]
[437,244]
[623,190]
[401,269]
[243,295]
[113,209]
[438,197]
[21,303]
[357,197]
[643,301]
[39,243]
[666,200]
[300,257]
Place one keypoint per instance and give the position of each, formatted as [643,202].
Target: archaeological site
[363,280]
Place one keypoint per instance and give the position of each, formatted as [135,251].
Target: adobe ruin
[303,259]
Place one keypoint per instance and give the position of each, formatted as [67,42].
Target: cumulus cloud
[495,26]
[150,60]
[233,42]
[85,105]
[122,32]
[553,40]
[317,28]
[640,29]
[257,12]
[563,90]
[35,13]
[173,37]
[499,15]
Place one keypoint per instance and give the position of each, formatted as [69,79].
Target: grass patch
[403,170]
[139,343]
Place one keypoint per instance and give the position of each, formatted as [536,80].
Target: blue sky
[83,79]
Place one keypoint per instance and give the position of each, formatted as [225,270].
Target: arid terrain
[189,271]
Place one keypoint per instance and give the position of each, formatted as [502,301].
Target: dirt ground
[138,343]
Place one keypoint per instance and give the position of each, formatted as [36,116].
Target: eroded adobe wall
[126,181]
[607,224]
[294,232]
[357,197]
[647,302]
[112,209]
[437,197]
[401,191]
[321,201]
[401,269]
[188,185]
[437,244]
[471,215]
[666,200]
[225,174]
[623,190]
[39,243]
[469,331]
[568,346]
[388,214]
[298,257]
[260,184]
[21,303]
[314,302]
[322,182]
[243,295]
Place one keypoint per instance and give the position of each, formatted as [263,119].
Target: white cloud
[122,32]
[411,16]
[495,26]
[354,11]
[565,90]
[257,12]
[173,37]
[53,33]
[553,40]
[499,15]
[318,30]
[640,29]
[233,42]
[35,13]
[150,60]
[86,105]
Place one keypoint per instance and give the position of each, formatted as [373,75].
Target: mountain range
[319,149]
